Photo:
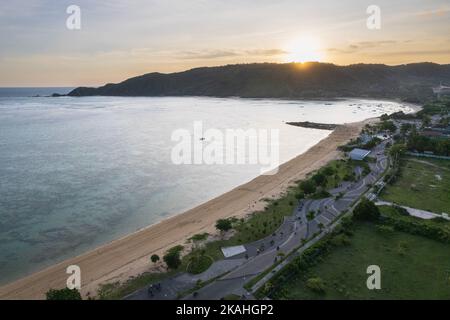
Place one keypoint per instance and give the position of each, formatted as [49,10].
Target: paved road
[261,254]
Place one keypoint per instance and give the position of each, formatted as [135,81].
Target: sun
[304,49]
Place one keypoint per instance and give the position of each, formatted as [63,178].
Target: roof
[233,251]
[359,153]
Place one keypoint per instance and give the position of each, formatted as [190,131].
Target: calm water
[76,173]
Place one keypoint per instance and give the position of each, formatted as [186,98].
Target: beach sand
[129,256]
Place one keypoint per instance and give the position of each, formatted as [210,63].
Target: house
[441,91]
[358,154]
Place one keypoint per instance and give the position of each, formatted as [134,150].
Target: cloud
[414,53]
[217,54]
[266,52]
[194,55]
[440,12]
[362,45]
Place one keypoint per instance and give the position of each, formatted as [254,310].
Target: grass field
[423,184]
[412,267]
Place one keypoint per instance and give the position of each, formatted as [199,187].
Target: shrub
[172,257]
[308,187]
[316,284]
[340,240]
[366,210]
[154,258]
[63,294]
[300,196]
[200,237]
[224,225]
[385,228]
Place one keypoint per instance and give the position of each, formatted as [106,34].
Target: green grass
[198,264]
[259,225]
[412,267]
[342,170]
[117,290]
[419,186]
[390,212]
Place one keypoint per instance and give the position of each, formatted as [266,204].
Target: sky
[121,39]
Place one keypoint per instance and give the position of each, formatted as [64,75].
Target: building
[358,154]
[436,132]
[229,252]
[441,91]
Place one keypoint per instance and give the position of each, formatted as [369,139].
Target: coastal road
[262,254]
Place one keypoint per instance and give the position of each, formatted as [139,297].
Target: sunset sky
[120,39]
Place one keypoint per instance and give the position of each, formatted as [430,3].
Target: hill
[410,82]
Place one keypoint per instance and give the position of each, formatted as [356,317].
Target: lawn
[198,264]
[423,184]
[412,267]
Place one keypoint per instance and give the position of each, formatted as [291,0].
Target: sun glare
[304,49]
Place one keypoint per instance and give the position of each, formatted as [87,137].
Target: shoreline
[129,256]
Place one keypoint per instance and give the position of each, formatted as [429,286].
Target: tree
[224,225]
[388,126]
[426,121]
[397,150]
[328,171]
[154,258]
[63,294]
[320,179]
[300,196]
[172,257]
[366,210]
[308,187]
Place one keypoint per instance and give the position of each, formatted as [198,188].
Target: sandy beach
[129,256]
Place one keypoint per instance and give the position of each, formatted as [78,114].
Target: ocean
[76,173]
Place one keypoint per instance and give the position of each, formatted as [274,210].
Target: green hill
[411,82]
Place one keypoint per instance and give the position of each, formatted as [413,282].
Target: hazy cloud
[215,54]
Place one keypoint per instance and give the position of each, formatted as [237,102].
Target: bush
[320,179]
[172,257]
[154,258]
[366,210]
[200,237]
[310,215]
[340,240]
[308,187]
[385,229]
[224,225]
[300,196]
[401,210]
[63,294]
[316,284]
[199,264]
[321,194]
